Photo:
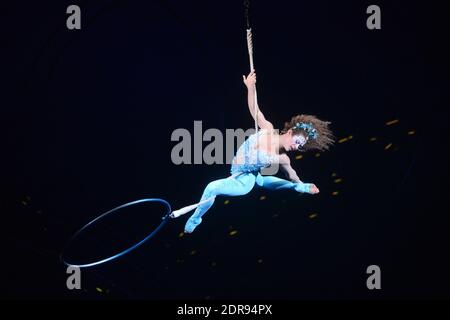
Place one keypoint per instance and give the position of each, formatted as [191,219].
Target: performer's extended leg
[275,183]
[231,186]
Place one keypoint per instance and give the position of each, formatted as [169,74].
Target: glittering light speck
[389,123]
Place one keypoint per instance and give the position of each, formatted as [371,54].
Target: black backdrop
[87,117]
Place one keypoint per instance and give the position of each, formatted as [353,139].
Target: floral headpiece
[308,127]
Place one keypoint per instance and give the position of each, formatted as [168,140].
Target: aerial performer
[265,148]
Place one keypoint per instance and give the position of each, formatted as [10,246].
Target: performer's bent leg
[275,183]
[231,186]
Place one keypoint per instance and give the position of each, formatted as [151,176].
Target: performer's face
[296,142]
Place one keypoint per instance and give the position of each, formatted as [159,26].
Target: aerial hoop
[165,219]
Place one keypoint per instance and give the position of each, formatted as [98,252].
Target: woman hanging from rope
[264,148]
[261,150]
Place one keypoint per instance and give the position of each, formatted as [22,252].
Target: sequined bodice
[249,158]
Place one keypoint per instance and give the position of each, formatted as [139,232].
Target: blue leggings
[238,186]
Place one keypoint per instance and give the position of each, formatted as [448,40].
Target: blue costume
[244,175]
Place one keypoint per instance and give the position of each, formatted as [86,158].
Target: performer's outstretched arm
[275,183]
[250,82]
[285,163]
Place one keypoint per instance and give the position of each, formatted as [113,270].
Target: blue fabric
[275,183]
[254,159]
[237,186]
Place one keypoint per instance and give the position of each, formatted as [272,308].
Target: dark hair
[324,138]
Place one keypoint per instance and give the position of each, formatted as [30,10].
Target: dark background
[86,121]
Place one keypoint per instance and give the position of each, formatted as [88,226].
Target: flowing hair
[325,137]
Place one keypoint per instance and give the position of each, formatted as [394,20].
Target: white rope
[252,68]
[184,210]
